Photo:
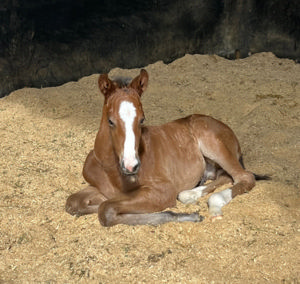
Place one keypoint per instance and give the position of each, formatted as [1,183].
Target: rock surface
[50,42]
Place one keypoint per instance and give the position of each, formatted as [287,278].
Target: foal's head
[123,114]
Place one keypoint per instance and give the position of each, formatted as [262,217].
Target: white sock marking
[127,113]
[218,200]
[191,196]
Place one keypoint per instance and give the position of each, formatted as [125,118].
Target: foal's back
[176,151]
[170,153]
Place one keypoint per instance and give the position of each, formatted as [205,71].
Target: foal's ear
[140,82]
[106,86]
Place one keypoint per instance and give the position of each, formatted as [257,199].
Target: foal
[136,171]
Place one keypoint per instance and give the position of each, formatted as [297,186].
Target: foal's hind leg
[225,154]
[85,201]
[192,195]
[244,181]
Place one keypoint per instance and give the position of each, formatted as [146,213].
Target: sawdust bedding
[46,134]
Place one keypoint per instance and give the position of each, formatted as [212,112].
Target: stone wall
[50,42]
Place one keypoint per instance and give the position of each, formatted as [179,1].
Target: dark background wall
[49,42]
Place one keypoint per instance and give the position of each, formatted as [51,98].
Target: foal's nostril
[136,168]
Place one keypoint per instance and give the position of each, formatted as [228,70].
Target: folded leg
[140,208]
[192,196]
[85,201]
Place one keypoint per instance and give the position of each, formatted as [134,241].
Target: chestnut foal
[136,171]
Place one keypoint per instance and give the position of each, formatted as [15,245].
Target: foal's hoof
[69,209]
[200,218]
[193,217]
[188,196]
[191,196]
[215,213]
[71,206]
[215,218]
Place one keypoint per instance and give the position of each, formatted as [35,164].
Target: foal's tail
[257,177]
[261,177]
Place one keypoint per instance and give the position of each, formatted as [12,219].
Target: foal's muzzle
[132,168]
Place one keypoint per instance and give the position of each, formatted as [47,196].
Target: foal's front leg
[139,208]
[85,201]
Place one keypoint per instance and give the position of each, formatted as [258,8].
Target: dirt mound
[47,133]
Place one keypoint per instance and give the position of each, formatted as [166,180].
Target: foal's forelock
[127,112]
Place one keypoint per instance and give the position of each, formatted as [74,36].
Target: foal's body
[135,170]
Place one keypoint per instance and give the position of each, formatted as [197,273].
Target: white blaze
[127,113]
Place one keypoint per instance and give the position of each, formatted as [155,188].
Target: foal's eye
[110,122]
[142,121]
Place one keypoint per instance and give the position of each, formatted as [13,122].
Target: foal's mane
[122,81]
